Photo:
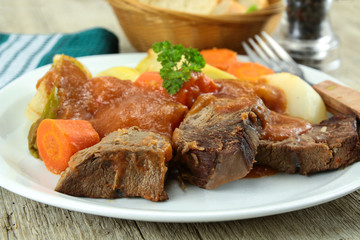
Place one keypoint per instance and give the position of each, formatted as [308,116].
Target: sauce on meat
[56,73]
[109,103]
[272,97]
[275,125]
[198,84]
[278,127]
[259,171]
[147,110]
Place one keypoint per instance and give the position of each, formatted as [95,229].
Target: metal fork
[268,52]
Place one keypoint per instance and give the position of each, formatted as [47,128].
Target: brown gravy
[278,127]
[103,100]
[275,124]
[109,103]
[259,171]
[272,97]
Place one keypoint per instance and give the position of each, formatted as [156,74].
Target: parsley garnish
[177,64]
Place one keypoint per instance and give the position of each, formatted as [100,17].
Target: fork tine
[288,60]
[252,55]
[270,54]
[267,59]
[278,49]
[258,50]
[266,48]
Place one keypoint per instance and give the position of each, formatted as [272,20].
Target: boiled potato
[149,63]
[123,73]
[215,73]
[302,100]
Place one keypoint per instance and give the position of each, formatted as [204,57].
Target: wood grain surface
[21,218]
[339,98]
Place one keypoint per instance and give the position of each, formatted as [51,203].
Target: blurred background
[69,16]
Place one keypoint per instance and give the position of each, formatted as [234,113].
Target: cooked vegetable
[37,103]
[60,57]
[149,63]
[177,63]
[49,111]
[58,140]
[215,73]
[150,80]
[302,100]
[45,84]
[248,71]
[123,73]
[198,83]
[221,58]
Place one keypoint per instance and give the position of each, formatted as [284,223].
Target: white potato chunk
[302,100]
[149,63]
[215,73]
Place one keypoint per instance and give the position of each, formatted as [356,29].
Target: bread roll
[259,3]
[228,7]
[188,6]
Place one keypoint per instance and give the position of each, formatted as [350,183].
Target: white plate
[247,198]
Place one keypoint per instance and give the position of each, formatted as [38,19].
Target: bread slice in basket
[188,6]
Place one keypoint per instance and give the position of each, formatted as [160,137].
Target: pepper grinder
[307,35]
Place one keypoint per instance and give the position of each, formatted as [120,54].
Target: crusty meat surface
[217,141]
[332,144]
[126,163]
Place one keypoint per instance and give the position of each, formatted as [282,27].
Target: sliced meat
[217,141]
[149,111]
[332,144]
[126,163]
[272,97]
[110,104]
[275,125]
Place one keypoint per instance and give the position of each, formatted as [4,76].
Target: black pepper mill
[307,35]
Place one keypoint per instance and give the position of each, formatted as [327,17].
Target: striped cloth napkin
[20,53]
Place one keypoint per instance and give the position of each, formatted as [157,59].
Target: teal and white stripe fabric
[20,53]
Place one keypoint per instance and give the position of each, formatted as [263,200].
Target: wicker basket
[144,25]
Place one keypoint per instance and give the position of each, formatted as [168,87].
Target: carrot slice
[248,71]
[151,80]
[58,140]
[221,58]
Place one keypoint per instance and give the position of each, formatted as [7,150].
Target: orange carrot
[248,71]
[221,58]
[151,81]
[57,140]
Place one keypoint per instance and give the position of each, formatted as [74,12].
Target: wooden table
[22,218]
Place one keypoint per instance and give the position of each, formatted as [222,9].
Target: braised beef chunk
[332,144]
[126,163]
[217,141]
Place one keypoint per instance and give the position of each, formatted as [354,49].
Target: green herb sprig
[177,64]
